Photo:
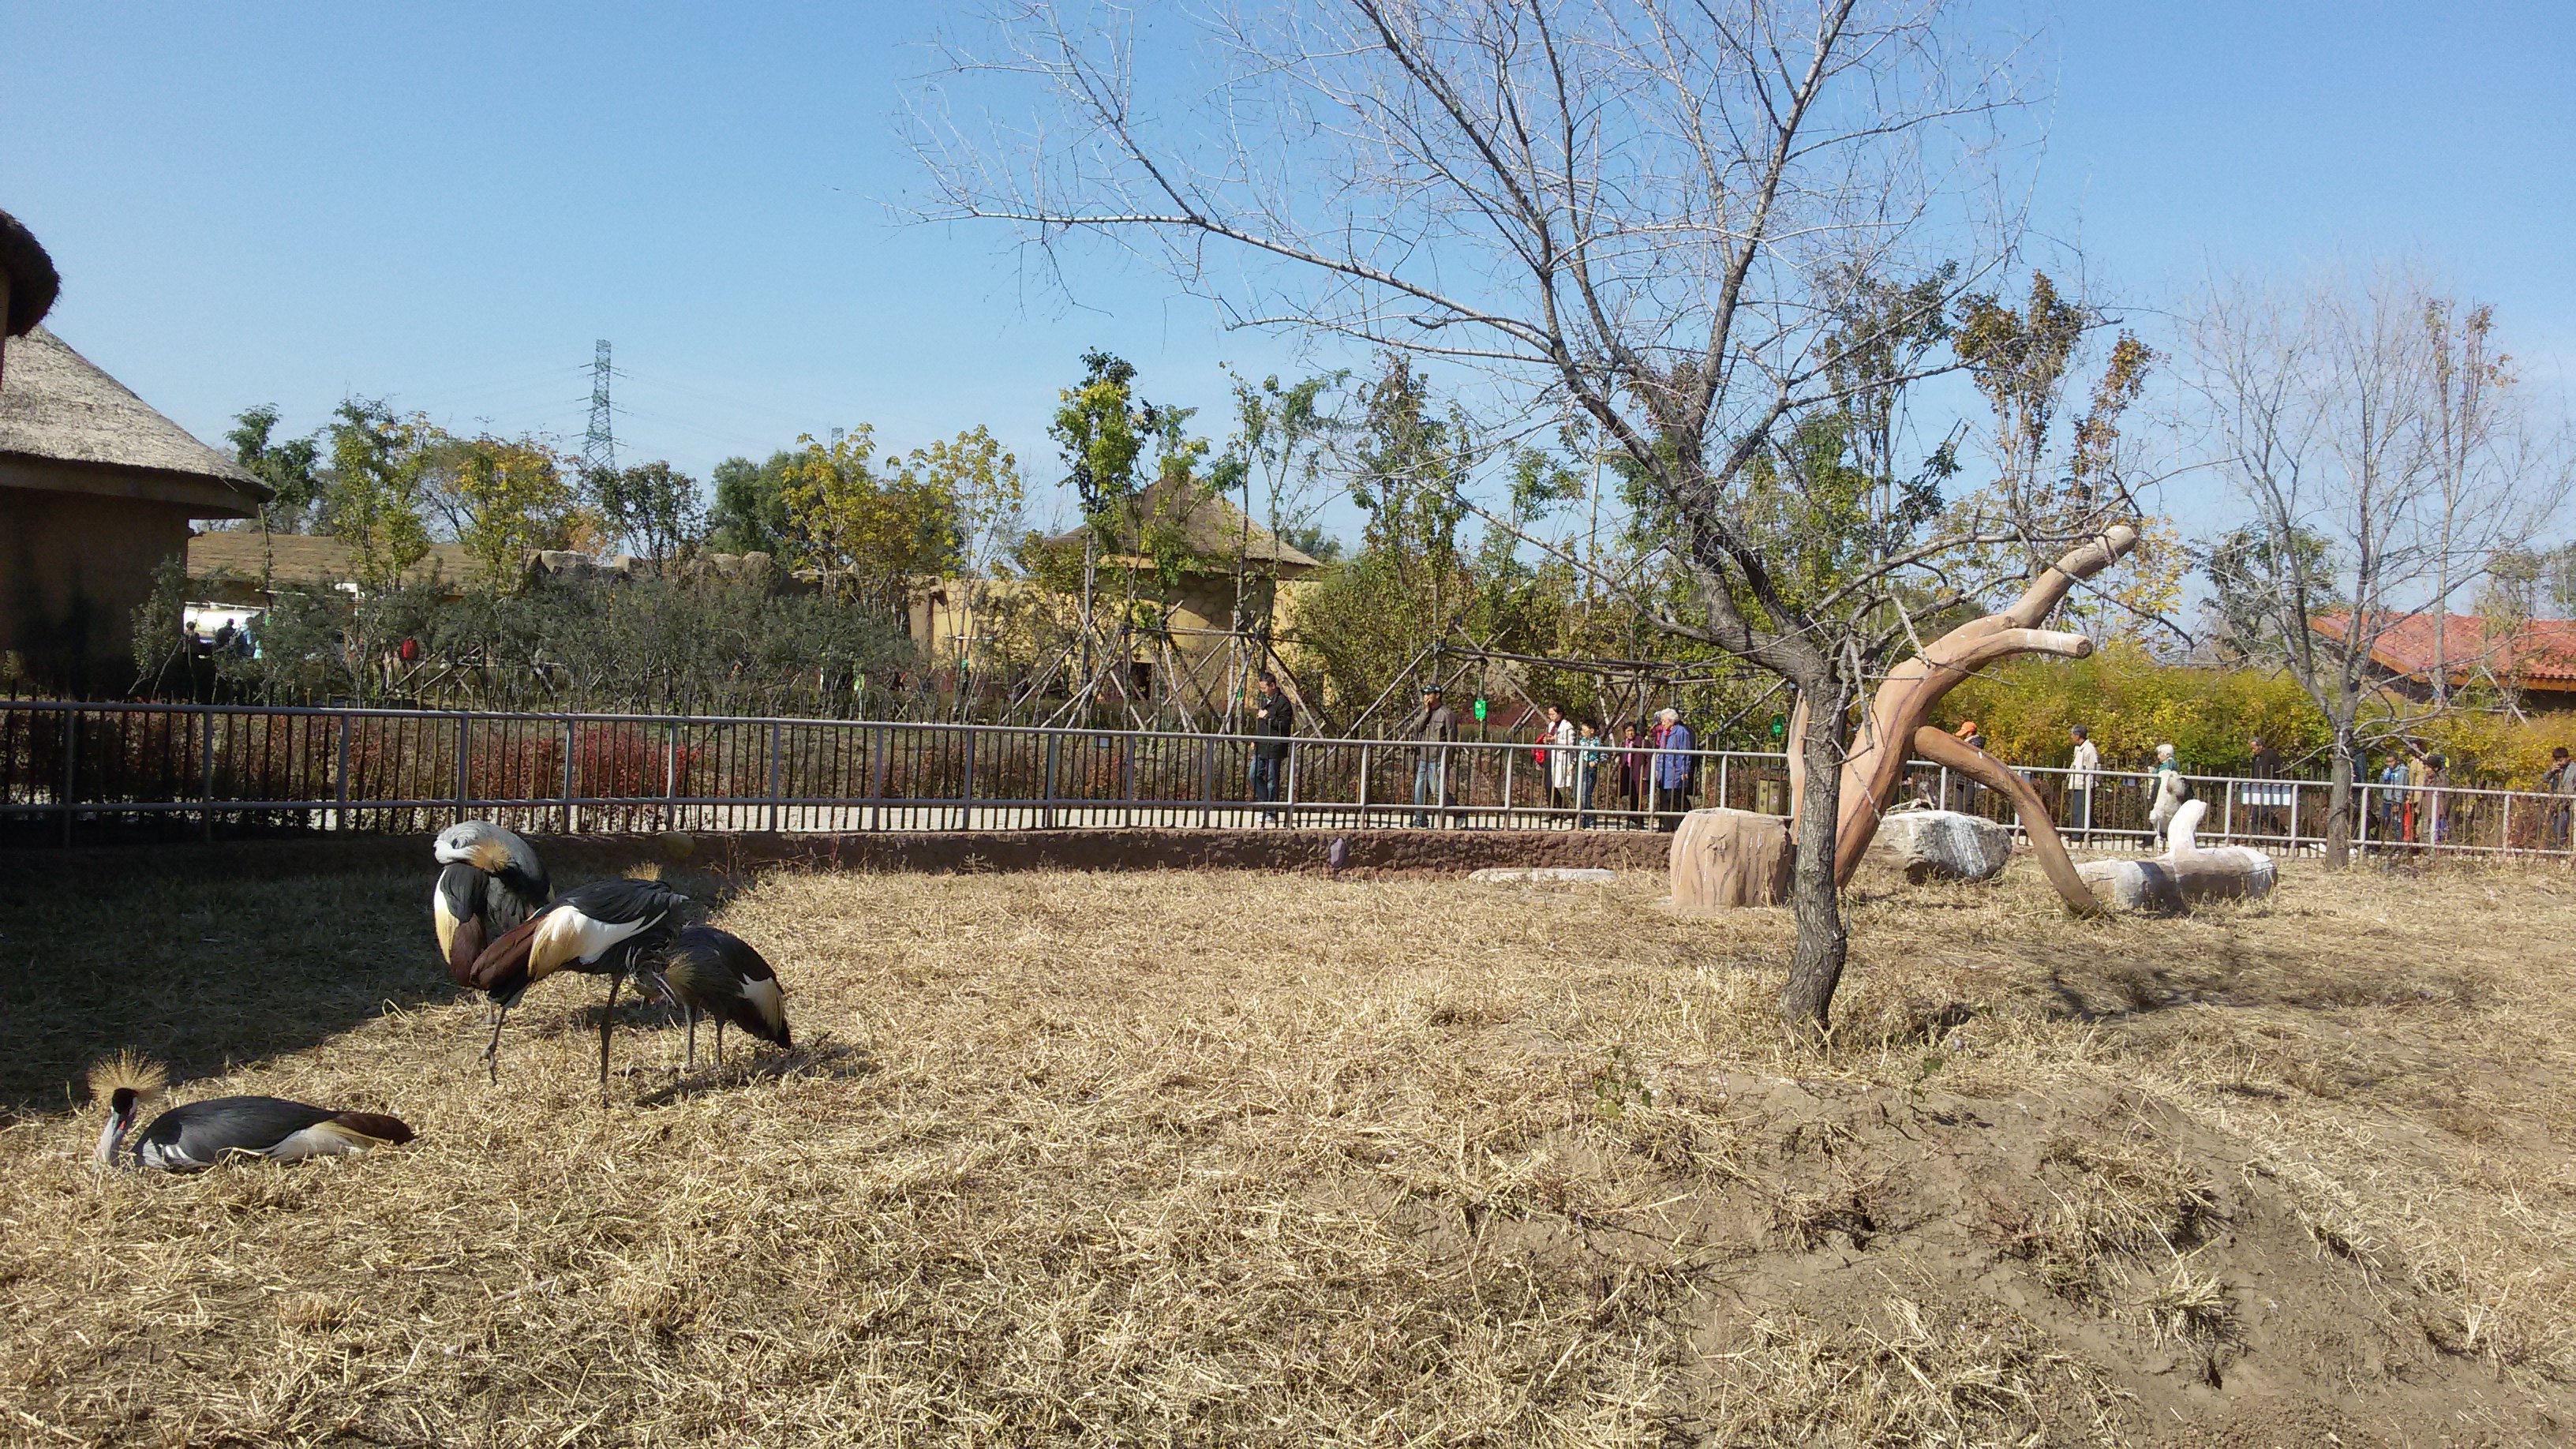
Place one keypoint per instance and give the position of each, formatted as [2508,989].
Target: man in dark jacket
[1434,725]
[1273,720]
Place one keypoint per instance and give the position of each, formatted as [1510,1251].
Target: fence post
[966,792]
[1507,786]
[1291,773]
[877,778]
[1129,815]
[1945,787]
[1364,784]
[340,793]
[2294,818]
[206,749]
[1207,780]
[777,734]
[464,779]
[71,769]
[1052,741]
[670,777]
[567,776]
[2504,840]
[1721,784]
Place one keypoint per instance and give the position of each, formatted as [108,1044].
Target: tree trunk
[1994,774]
[1905,699]
[2339,804]
[1815,891]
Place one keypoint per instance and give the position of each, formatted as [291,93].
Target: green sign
[1480,711]
[1779,726]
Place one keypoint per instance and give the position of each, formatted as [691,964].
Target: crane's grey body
[717,974]
[202,1134]
[605,928]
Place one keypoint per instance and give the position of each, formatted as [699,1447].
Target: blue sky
[444,205]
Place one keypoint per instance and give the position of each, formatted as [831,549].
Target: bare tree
[2378,450]
[1728,234]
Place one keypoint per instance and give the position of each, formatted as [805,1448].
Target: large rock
[2185,875]
[1945,845]
[1723,859]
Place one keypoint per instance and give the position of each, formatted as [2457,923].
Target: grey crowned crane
[488,882]
[717,974]
[202,1134]
[608,928]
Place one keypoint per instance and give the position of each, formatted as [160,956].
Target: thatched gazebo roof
[66,425]
[33,282]
[1211,529]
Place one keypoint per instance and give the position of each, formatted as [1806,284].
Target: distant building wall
[73,569]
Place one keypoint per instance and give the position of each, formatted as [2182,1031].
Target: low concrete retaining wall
[1372,852]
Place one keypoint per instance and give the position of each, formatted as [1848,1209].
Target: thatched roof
[33,282]
[60,409]
[1211,528]
[307,560]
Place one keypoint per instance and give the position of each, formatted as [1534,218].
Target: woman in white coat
[1560,758]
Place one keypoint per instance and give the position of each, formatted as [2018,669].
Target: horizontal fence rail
[74,771]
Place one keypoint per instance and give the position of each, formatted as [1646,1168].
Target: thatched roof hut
[1208,528]
[66,425]
[28,281]
[96,491]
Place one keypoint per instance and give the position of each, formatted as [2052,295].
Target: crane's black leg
[492,1053]
[607,1020]
[691,1013]
[720,1043]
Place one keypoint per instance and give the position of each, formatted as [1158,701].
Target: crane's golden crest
[645,870]
[128,1071]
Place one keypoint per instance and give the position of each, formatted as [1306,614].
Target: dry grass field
[1269,1159]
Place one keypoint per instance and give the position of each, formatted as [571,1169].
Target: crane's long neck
[112,1135]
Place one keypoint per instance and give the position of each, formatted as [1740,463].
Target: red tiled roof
[2541,653]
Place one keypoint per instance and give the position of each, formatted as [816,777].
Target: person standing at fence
[2393,814]
[2437,774]
[1674,767]
[1590,751]
[2081,771]
[1632,768]
[2419,773]
[2172,791]
[1559,756]
[1433,726]
[2561,782]
[2263,764]
[1273,720]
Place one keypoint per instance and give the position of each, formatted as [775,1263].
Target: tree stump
[1723,859]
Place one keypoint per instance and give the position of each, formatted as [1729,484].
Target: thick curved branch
[1985,769]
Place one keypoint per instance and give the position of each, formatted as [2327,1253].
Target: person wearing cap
[1434,726]
[1273,718]
[1674,767]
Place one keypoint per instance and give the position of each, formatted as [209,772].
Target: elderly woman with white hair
[2171,791]
[1674,767]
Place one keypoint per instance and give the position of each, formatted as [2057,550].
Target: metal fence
[71,772]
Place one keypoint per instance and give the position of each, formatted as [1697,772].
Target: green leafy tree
[875,531]
[515,497]
[286,465]
[653,508]
[750,512]
[374,491]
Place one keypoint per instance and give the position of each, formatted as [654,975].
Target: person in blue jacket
[1674,767]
